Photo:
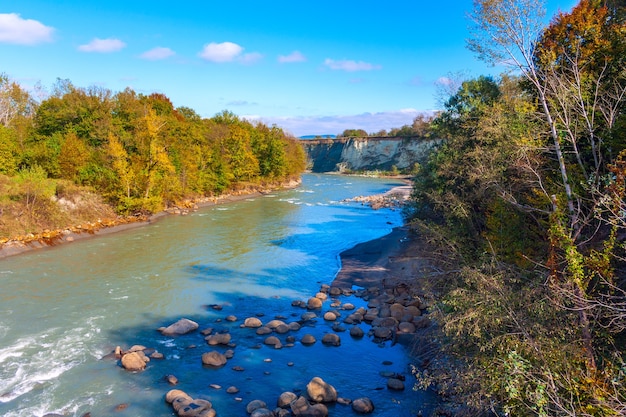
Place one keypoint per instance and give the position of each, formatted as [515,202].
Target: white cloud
[102,45]
[15,30]
[295,56]
[323,125]
[157,53]
[220,52]
[350,66]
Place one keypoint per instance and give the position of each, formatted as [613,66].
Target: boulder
[308,316]
[273,324]
[218,339]
[263,330]
[356,332]
[331,339]
[294,325]
[272,341]
[182,326]
[314,303]
[363,405]
[281,328]
[321,295]
[406,327]
[253,322]
[231,318]
[301,407]
[134,361]
[320,391]
[214,359]
[330,316]
[262,412]
[308,339]
[348,306]
[194,408]
[254,405]
[175,393]
[285,399]
[395,384]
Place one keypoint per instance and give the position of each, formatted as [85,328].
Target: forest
[523,208]
[105,154]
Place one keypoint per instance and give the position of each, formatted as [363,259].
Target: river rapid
[63,309]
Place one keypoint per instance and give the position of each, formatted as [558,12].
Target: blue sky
[310,67]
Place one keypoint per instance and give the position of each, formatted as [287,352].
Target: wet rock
[314,303]
[330,316]
[262,412]
[214,359]
[231,318]
[343,401]
[134,361]
[229,354]
[182,326]
[395,384]
[272,341]
[171,379]
[331,339]
[254,405]
[294,326]
[301,407]
[281,328]
[356,332]
[348,306]
[308,316]
[308,339]
[322,296]
[175,393]
[406,327]
[320,391]
[363,405]
[232,390]
[285,399]
[157,355]
[253,322]
[218,339]
[273,324]
[263,330]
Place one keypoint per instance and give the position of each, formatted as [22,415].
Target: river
[63,309]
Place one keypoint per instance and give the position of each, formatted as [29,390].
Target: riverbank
[45,239]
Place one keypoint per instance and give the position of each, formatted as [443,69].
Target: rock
[308,316]
[254,405]
[334,291]
[383,333]
[321,295]
[262,412]
[348,306]
[263,330]
[356,332]
[395,384]
[229,354]
[301,407]
[253,322]
[281,328]
[308,339]
[273,324]
[134,362]
[214,359]
[343,401]
[363,405]
[330,316]
[171,379]
[314,303]
[232,390]
[218,339]
[320,391]
[331,339]
[175,393]
[231,318]
[406,327]
[157,355]
[272,341]
[182,326]
[136,348]
[195,408]
[294,326]
[215,386]
[285,399]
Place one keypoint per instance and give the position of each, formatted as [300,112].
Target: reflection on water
[64,308]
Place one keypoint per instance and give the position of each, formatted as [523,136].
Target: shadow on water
[356,368]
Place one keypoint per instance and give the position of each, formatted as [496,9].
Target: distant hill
[318,137]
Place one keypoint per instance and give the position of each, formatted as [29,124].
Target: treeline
[421,126]
[138,151]
[525,205]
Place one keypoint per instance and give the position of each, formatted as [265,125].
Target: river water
[63,309]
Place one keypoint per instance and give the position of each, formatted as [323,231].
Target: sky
[310,67]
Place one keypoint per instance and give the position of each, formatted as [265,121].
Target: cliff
[366,154]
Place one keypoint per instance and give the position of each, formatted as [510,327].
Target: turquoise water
[63,309]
